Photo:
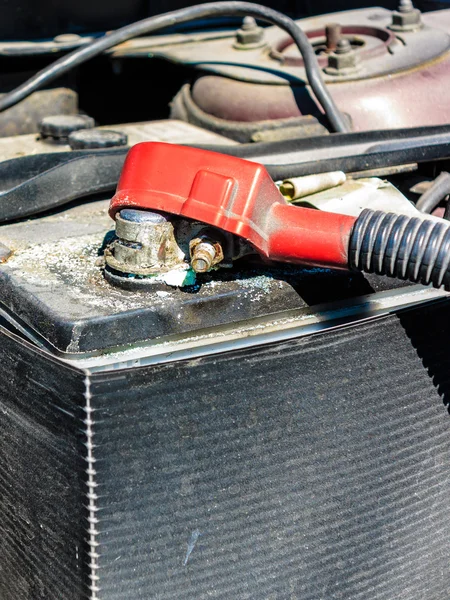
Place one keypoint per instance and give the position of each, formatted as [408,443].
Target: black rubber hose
[409,248]
[156,23]
[430,199]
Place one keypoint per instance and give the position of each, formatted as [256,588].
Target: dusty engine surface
[224,308]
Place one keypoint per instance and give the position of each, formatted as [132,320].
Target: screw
[343,61]
[201,265]
[343,47]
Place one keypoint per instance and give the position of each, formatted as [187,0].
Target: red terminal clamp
[235,195]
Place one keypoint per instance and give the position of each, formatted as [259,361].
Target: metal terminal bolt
[406,17]
[205,253]
[145,244]
[250,35]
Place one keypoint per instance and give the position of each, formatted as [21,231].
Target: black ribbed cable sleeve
[400,246]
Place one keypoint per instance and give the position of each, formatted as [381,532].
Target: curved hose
[430,199]
[409,248]
[209,10]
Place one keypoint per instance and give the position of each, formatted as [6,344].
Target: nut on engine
[406,17]
[249,36]
[344,60]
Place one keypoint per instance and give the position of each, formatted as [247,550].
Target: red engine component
[234,195]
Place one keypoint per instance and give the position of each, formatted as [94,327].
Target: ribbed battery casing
[313,468]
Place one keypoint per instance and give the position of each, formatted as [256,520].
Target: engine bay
[66,270]
[224,263]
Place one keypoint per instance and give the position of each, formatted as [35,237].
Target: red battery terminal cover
[232,194]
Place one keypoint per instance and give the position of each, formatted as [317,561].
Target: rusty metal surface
[25,116]
[145,247]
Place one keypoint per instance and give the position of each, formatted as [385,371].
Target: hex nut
[406,18]
[249,35]
[344,61]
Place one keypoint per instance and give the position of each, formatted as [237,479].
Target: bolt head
[343,47]
[344,61]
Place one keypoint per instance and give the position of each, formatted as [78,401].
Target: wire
[209,10]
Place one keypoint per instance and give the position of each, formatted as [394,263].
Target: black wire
[151,24]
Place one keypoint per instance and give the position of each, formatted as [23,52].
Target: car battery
[265,432]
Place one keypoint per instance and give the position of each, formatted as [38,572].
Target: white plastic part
[300,187]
